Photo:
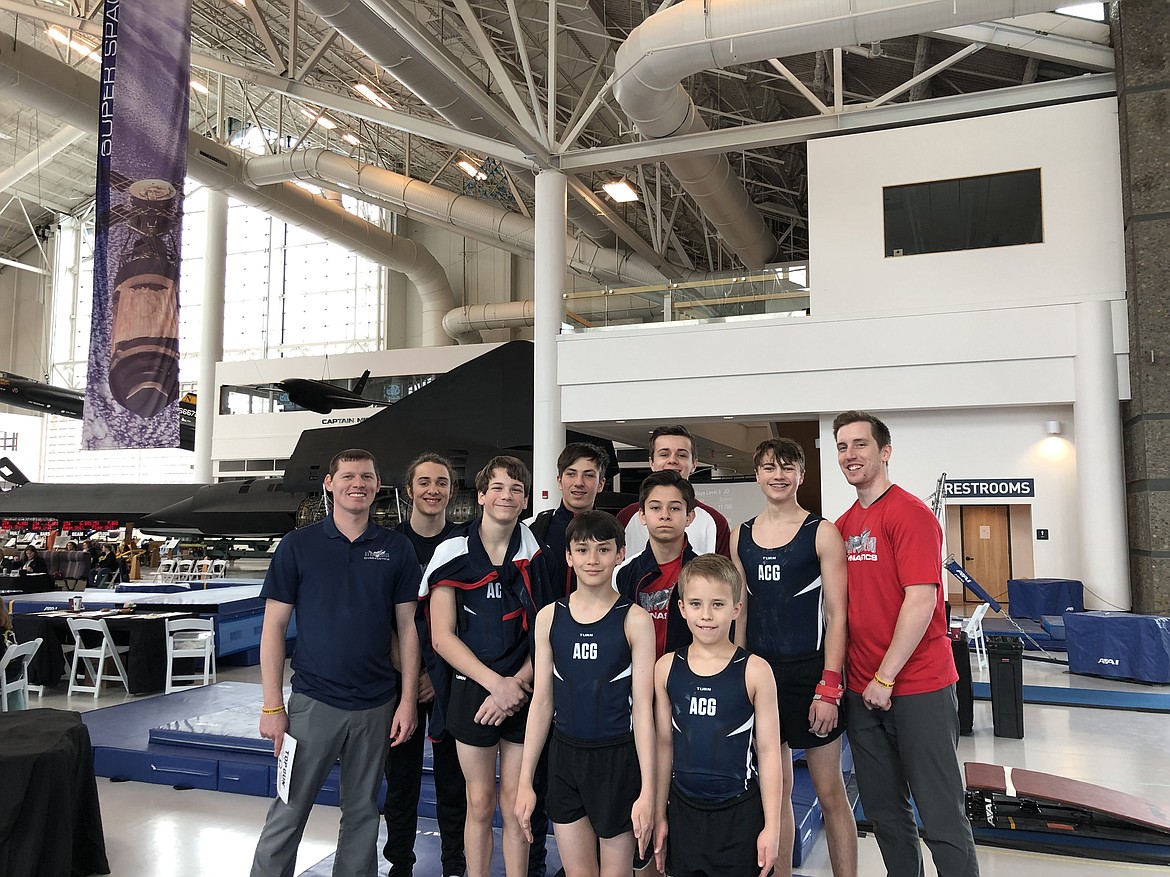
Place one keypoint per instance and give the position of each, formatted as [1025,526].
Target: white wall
[1074,145]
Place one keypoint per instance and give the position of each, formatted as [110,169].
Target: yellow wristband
[882,682]
[272,710]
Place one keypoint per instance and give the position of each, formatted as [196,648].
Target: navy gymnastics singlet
[592,673]
[714,729]
[786,616]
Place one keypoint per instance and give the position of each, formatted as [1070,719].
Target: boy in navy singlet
[793,564]
[718,771]
[594,685]
[648,579]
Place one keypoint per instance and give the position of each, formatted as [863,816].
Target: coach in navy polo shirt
[346,577]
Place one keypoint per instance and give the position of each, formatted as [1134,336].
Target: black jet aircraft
[470,414]
[323,397]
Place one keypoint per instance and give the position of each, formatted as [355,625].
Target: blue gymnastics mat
[123,750]
[1141,701]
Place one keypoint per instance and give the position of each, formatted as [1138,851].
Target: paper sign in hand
[284,766]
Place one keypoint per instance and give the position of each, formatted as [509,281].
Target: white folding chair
[201,571]
[166,569]
[190,639]
[93,658]
[218,569]
[19,654]
[974,630]
[183,571]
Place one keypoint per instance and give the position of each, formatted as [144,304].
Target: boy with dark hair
[580,477]
[673,448]
[485,585]
[718,771]
[793,564]
[429,482]
[667,503]
[347,578]
[594,679]
[900,700]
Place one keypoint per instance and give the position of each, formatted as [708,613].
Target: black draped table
[50,821]
[144,632]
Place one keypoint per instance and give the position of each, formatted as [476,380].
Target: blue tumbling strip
[1149,702]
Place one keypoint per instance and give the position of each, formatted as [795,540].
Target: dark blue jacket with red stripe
[496,608]
[633,577]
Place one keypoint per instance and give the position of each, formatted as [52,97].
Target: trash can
[1005,657]
[963,688]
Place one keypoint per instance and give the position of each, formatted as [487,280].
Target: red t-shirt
[655,599]
[894,543]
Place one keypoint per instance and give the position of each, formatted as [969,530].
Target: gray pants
[910,750]
[323,734]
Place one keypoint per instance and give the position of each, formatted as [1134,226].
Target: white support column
[548,432]
[1100,470]
[211,336]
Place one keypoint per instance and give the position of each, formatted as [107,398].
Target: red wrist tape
[832,678]
[830,694]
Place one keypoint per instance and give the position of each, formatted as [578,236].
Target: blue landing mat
[427,849]
[1142,701]
[122,747]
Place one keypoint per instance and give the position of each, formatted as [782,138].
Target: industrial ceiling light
[621,191]
[351,139]
[78,45]
[324,121]
[471,169]
[371,95]
[198,86]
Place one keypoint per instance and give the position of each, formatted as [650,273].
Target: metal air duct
[464,214]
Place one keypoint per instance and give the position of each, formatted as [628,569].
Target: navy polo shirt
[344,593]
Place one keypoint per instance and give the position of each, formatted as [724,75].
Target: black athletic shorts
[796,683]
[467,696]
[713,839]
[599,779]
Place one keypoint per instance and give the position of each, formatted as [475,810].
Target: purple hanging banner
[132,388]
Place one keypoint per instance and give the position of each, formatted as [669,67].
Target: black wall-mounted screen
[998,210]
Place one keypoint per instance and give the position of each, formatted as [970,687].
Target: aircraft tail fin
[360,386]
